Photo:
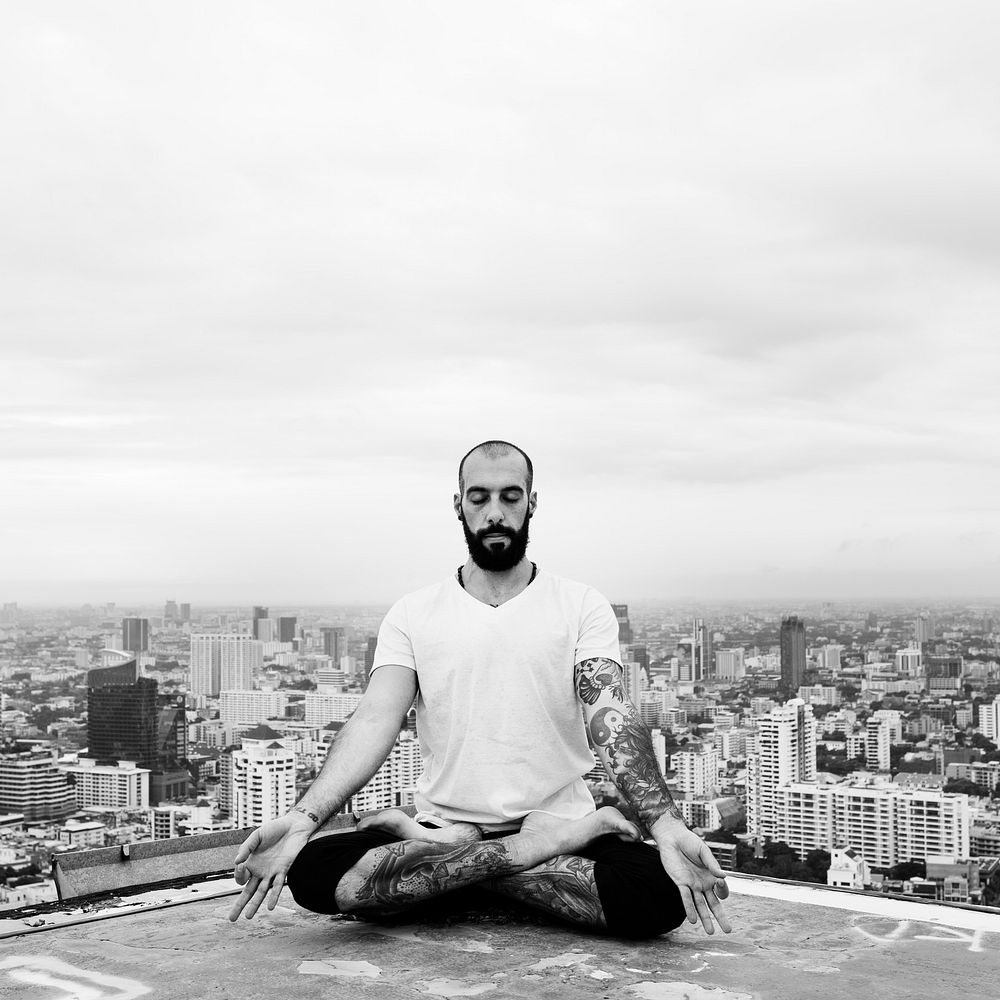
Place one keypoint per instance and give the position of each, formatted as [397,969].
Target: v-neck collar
[485,604]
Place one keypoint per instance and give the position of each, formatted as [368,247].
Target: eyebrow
[486,489]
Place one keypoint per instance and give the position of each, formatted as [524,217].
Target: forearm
[622,742]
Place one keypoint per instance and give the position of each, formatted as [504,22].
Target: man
[516,677]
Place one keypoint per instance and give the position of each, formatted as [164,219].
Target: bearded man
[517,682]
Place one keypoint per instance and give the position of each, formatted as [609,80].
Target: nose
[494,516]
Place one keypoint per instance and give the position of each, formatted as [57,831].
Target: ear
[457,505]
[532,502]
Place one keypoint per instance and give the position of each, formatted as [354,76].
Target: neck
[497,579]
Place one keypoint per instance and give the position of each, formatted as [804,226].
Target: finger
[722,888]
[704,912]
[276,886]
[690,911]
[248,847]
[244,898]
[708,860]
[718,911]
[256,899]
[241,873]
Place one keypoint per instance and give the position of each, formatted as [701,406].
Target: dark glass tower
[793,652]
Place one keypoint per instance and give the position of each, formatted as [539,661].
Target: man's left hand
[687,859]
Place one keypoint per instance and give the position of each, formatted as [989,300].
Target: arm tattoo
[564,886]
[622,740]
[408,871]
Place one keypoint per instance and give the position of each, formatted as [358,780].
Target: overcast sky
[728,272]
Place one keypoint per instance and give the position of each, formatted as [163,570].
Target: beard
[502,558]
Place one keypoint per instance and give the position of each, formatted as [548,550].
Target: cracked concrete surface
[778,948]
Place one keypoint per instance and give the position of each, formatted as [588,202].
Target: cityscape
[844,743]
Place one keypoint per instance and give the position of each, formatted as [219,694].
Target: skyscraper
[185,612]
[704,658]
[223,662]
[31,783]
[286,628]
[135,635]
[170,611]
[793,652]
[258,613]
[122,722]
[370,654]
[624,628]
[786,752]
[333,643]
[263,778]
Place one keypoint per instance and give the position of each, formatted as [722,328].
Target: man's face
[494,509]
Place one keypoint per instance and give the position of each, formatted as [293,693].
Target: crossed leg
[544,865]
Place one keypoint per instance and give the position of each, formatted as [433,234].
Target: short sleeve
[394,645]
[598,635]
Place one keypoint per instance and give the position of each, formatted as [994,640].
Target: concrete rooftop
[789,940]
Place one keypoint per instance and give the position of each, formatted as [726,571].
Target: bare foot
[542,837]
[406,828]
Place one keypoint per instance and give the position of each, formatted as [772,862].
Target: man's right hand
[264,858]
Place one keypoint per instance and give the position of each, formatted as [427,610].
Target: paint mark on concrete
[331,967]
[683,991]
[477,947]
[456,988]
[533,977]
[906,931]
[601,975]
[823,970]
[69,982]
[560,961]
[395,932]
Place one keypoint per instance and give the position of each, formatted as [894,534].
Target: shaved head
[495,449]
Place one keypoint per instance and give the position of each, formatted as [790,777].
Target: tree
[980,742]
[908,869]
[818,862]
[963,786]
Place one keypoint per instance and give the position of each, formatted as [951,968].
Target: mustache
[498,530]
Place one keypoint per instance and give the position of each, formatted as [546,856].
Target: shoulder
[424,600]
[582,595]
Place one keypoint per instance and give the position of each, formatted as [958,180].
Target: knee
[309,881]
[639,900]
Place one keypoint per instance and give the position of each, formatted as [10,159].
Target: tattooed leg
[563,887]
[390,878]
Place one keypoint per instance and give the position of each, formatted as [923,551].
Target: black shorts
[637,896]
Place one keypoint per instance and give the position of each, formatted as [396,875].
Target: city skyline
[728,277]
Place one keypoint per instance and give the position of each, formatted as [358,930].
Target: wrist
[666,825]
[304,815]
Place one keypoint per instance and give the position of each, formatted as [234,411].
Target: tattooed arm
[624,746]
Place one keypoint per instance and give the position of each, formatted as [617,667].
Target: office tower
[286,628]
[171,730]
[704,658]
[624,628]
[943,673]
[223,662]
[923,628]
[633,676]
[989,720]
[394,783]
[333,643]
[108,786]
[267,629]
[31,783]
[909,662]
[185,612]
[122,722]
[871,622]
[170,611]
[8,613]
[370,654]
[729,665]
[793,652]
[829,657]
[242,708]
[117,672]
[263,778]
[697,770]
[878,742]
[135,635]
[786,752]
[258,613]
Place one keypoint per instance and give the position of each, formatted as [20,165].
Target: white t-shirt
[501,730]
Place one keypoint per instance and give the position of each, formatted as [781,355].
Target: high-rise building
[785,752]
[729,665]
[333,643]
[241,708]
[394,783]
[170,611]
[793,652]
[118,671]
[263,778]
[624,628]
[286,628]
[185,612]
[704,658]
[122,722]
[632,674]
[108,786]
[171,730]
[135,635]
[370,654]
[697,770]
[223,662]
[909,662]
[923,628]
[321,709]
[989,720]
[878,743]
[31,783]
[258,613]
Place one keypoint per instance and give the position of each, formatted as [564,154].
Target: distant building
[286,628]
[170,611]
[121,785]
[848,870]
[729,665]
[793,652]
[321,709]
[263,778]
[251,707]
[333,642]
[989,720]
[32,784]
[135,635]
[223,662]
[258,613]
[395,781]
[697,770]
[122,722]
[185,612]
[701,650]
[624,628]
